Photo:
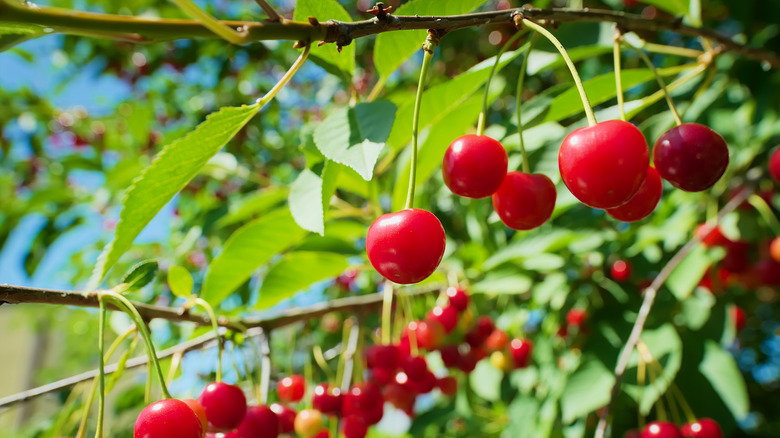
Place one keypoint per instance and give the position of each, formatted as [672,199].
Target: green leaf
[306,202]
[393,48]
[719,367]
[295,272]
[254,204]
[180,281]
[503,281]
[697,308]
[485,381]
[689,272]
[328,56]
[139,275]
[525,246]
[520,411]
[250,247]
[355,136]
[168,173]
[586,390]
[12,34]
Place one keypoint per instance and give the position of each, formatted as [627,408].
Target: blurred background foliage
[81,117]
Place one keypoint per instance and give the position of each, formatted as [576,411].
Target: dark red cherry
[521,350]
[383,356]
[406,246]
[474,166]
[621,270]
[400,395]
[644,201]
[774,165]
[448,386]
[768,271]
[354,426]
[691,156]
[415,367]
[480,332]
[327,400]
[225,406]
[259,422]
[525,200]
[459,298]
[605,164]
[286,416]
[169,418]
[576,317]
[447,316]
[660,429]
[702,428]
[291,388]
[450,355]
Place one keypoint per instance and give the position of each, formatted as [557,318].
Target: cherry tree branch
[647,303]
[146,29]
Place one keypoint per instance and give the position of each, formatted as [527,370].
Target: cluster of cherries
[701,428]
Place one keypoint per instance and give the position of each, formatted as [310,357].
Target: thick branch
[146,29]
[647,304]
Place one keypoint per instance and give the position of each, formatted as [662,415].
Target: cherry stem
[125,305]
[223,31]
[618,74]
[655,366]
[577,81]
[322,363]
[265,376]
[387,312]
[483,113]
[286,78]
[766,212]
[658,78]
[352,346]
[101,371]
[215,326]
[689,415]
[518,104]
[430,43]
[82,430]
[640,378]
[659,403]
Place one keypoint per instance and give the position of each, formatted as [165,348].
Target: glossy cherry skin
[576,317]
[169,418]
[308,422]
[291,388]
[199,411]
[474,166]
[327,400]
[621,270]
[406,246]
[354,427]
[525,200]
[459,298]
[710,235]
[644,201]
[399,395]
[660,429]
[702,428]
[605,164]
[774,165]
[286,417]
[259,422]
[691,156]
[448,385]
[225,406]
[387,357]
[521,350]
[447,316]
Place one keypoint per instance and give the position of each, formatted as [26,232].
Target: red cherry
[225,406]
[406,246]
[691,156]
[446,316]
[710,235]
[525,201]
[354,427]
[633,433]
[576,317]
[448,386]
[774,165]
[702,428]
[291,388]
[479,334]
[286,417]
[737,258]
[399,395]
[621,270]
[415,367]
[259,422]
[739,317]
[768,272]
[425,384]
[468,361]
[382,376]
[199,411]
[660,429]
[327,400]
[774,249]
[459,298]
[308,422]
[521,352]
[644,201]
[169,418]
[450,356]
[363,396]
[428,334]
[383,356]
[605,164]
[497,340]
[474,166]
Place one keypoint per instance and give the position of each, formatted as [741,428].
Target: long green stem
[660,81]
[124,304]
[577,81]
[618,75]
[210,22]
[101,371]
[428,47]
[483,113]
[519,102]
[215,326]
[286,78]
[766,213]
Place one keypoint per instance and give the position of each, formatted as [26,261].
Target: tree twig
[269,10]
[150,29]
[647,303]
